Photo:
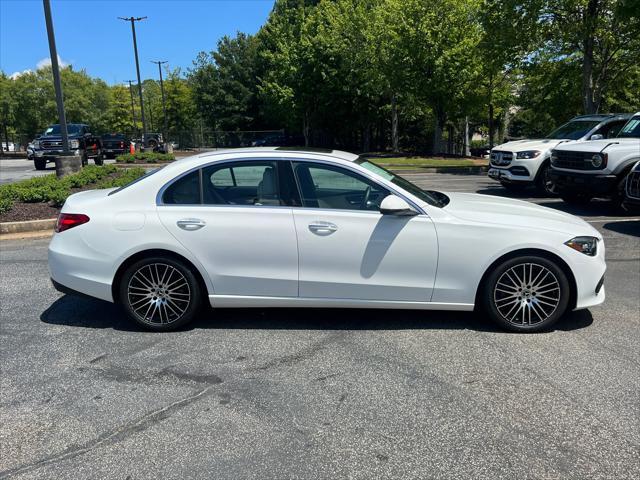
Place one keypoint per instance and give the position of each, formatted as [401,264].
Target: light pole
[63,167]
[133,21]
[164,106]
[133,108]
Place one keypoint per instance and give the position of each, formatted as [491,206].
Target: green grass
[54,190]
[422,162]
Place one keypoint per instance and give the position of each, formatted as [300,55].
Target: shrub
[145,157]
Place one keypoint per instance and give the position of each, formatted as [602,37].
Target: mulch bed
[29,211]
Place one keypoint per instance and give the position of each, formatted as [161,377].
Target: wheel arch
[151,253]
[573,289]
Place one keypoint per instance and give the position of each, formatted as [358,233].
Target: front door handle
[323,228]
[191,224]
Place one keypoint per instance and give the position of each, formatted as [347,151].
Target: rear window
[184,191]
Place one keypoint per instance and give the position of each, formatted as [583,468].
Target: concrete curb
[27,226]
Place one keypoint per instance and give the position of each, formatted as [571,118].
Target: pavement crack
[301,355]
[112,436]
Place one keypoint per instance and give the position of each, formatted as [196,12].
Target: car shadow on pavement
[627,228]
[83,312]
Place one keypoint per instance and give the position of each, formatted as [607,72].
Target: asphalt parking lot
[320,393]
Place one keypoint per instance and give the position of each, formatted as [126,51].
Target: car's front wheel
[40,163]
[526,293]
[545,184]
[160,294]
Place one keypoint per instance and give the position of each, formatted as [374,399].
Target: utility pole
[62,166]
[133,108]
[133,21]
[164,106]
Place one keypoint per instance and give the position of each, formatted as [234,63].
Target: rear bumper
[584,182]
[78,271]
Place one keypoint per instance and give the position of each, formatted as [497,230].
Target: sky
[89,36]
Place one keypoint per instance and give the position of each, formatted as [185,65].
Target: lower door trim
[245,301]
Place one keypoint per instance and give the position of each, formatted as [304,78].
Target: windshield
[112,136]
[72,128]
[631,129]
[436,199]
[573,130]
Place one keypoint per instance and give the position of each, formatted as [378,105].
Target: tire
[110,156]
[85,159]
[511,294]
[99,160]
[40,163]
[576,198]
[141,295]
[544,184]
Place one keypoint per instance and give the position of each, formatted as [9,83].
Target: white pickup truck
[523,163]
[584,170]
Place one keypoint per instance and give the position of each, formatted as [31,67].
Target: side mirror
[393,205]
[596,136]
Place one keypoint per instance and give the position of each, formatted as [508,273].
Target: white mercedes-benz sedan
[277,227]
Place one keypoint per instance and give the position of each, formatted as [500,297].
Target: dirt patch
[21,211]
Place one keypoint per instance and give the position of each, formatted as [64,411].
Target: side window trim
[392,189]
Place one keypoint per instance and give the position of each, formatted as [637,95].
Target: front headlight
[586,245]
[597,160]
[36,144]
[73,144]
[528,154]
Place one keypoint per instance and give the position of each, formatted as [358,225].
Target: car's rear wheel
[99,160]
[160,293]
[526,293]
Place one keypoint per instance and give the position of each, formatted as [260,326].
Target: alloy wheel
[158,294]
[527,294]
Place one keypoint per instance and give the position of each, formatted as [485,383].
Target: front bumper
[597,184]
[512,174]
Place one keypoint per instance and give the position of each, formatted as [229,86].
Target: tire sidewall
[492,279]
[194,286]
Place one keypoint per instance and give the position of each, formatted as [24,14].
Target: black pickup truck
[81,142]
[114,144]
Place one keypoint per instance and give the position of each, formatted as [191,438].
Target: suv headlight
[586,245]
[36,144]
[528,154]
[597,160]
[73,144]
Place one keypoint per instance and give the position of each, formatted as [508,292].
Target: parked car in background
[270,141]
[114,144]
[280,227]
[588,169]
[632,189]
[8,146]
[81,142]
[527,162]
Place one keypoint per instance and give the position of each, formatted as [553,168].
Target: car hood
[522,145]
[598,145]
[491,209]
[57,138]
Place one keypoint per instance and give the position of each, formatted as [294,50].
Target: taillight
[70,220]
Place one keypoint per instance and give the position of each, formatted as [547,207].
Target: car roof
[279,151]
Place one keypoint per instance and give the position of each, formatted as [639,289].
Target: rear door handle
[323,228]
[191,224]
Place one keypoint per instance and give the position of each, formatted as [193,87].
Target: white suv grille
[501,159]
